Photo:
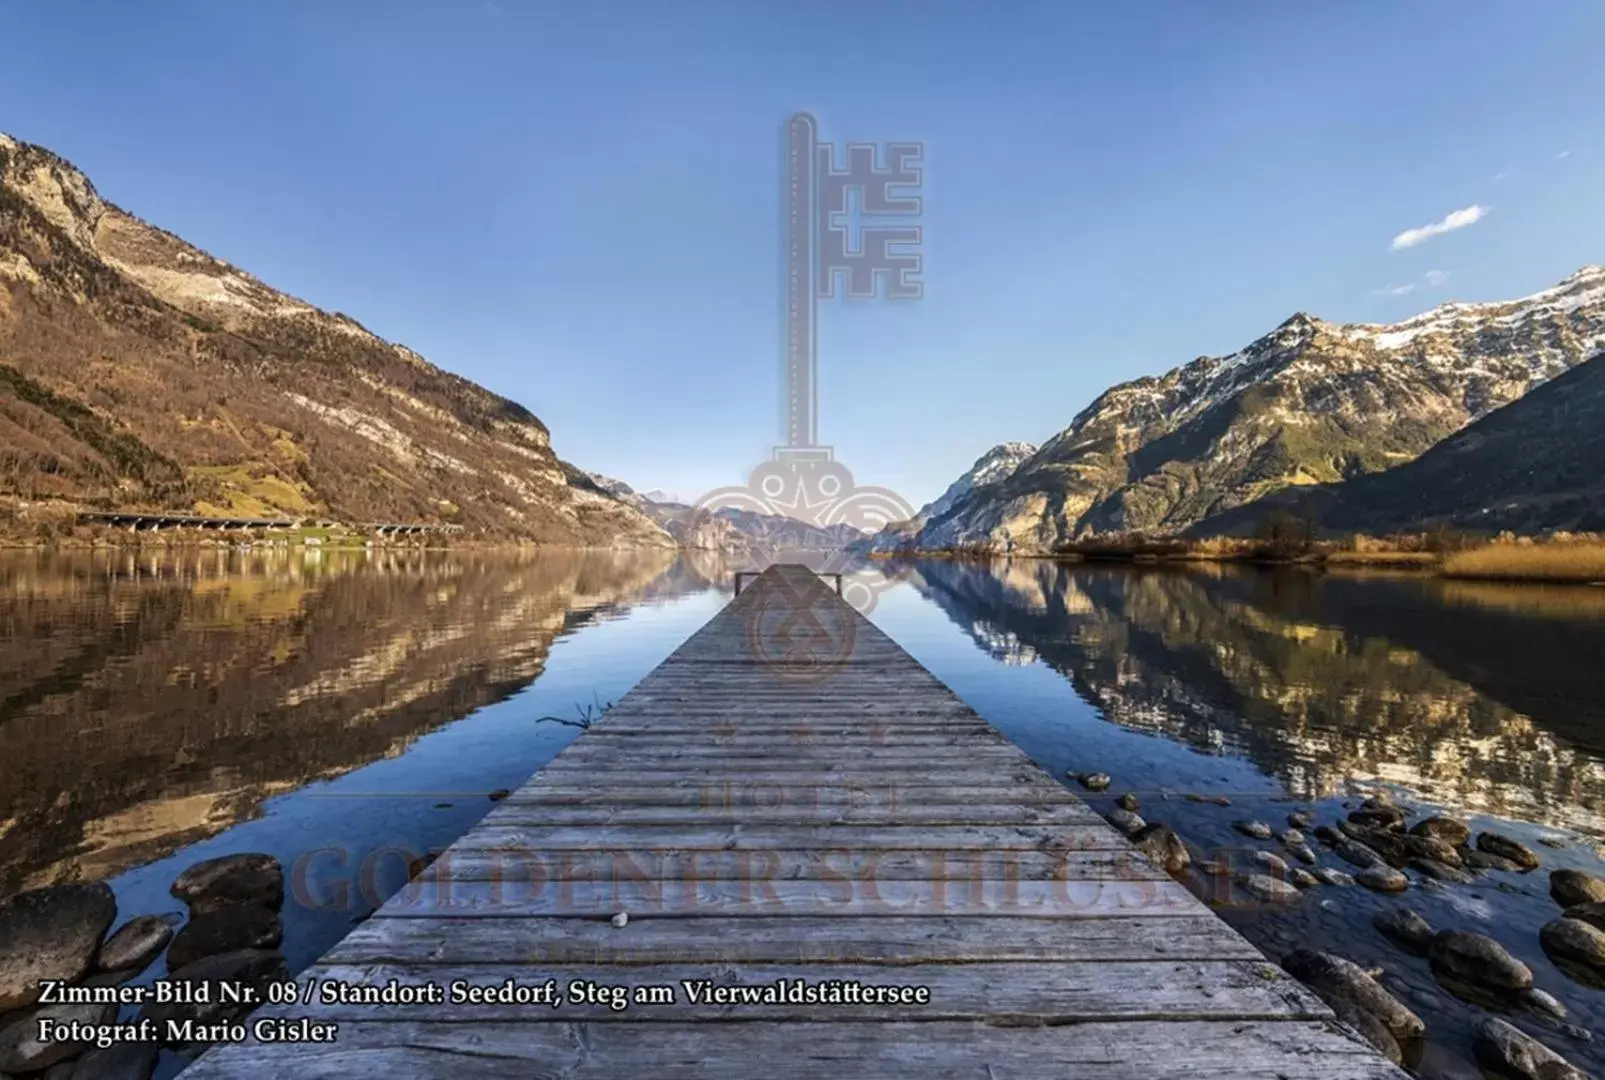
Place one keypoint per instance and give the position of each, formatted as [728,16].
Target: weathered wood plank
[989,814]
[1112,1050]
[762,939]
[1153,989]
[750,837]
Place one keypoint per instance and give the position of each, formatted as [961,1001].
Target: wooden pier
[792,797]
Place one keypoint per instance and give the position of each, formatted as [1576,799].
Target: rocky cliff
[137,371]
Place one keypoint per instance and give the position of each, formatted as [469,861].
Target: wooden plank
[781,864]
[972,1050]
[840,897]
[991,814]
[1150,989]
[762,939]
[750,837]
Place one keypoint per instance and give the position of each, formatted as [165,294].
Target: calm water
[349,713]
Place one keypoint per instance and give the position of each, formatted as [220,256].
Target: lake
[350,712]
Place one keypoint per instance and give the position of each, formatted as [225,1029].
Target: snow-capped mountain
[1312,402]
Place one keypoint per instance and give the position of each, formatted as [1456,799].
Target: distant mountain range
[740,532]
[138,372]
[1310,405]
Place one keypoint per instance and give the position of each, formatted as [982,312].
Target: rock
[50,933]
[1438,871]
[1405,927]
[1571,888]
[1369,1028]
[1357,854]
[621,920]
[1271,862]
[1378,817]
[1558,843]
[1257,829]
[1504,1049]
[1430,847]
[1127,822]
[1302,878]
[1335,979]
[1506,848]
[1482,860]
[1449,830]
[1574,940]
[1543,1002]
[1328,876]
[1094,781]
[1290,837]
[249,967]
[1477,959]
[225,930]
[1128,801]
[1382,878]
[1593,914]
[1163,847]
[1269,889]
[124,1061]
[1328,835]
[135,944]
[499,794]
[233,879]
[21,1050]
[1214,869]
[1299,820]
[1302,853]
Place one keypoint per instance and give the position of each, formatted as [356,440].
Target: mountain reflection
[148,701]
[1487,698]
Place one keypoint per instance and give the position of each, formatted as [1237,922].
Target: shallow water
[349,713]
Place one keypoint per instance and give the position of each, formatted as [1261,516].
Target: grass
[1561,562]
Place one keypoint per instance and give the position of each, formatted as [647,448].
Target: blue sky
[577,204]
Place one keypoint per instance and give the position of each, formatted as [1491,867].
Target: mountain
[1536,464]
[1312,402]
[992,467]
[139,372]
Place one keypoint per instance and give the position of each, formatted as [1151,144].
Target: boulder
[1378,817]
[1431,847]
[1128,801]
[1477,959]
[1328,835]
[1163,847]
[251,878]
[1571,888]
[1299,819]
[1302,853]
[255,968]
[1542,1001]
[1593,914]
[1383,878]
[1302,878]
[1405,927]
[1270,861]
[1432,868]
[21,1050]
[1507,848]
[1289,837]
[1357,854]
[1328,876]
[1095,781]
[1269,889]
[124,1061]
[135,944]
[1335,980]
[1257,829]
[1574,940]
[1127,822]
[1449,830]
[223,930]
[1369,1028]
[1482,860]
[1503,1049]
[50,933]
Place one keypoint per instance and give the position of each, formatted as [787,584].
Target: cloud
[1563,155]
[1435,278]
[1396,290]
[1432,278]
[1457,220]
[1502,174]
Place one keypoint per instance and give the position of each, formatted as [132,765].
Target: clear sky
[577,203]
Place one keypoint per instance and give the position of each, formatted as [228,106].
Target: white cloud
[1435,278]
[1432,278]
[1457,220]
[1502,174]
[1397,290]
[1563,155]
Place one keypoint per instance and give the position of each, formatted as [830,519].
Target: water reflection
[1486,698]
[149,701]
